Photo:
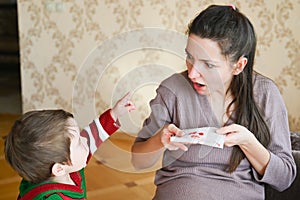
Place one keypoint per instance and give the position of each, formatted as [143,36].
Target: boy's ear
[239,65]
[58,169]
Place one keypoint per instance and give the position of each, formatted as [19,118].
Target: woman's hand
[167,132]
[146,153]
[255,152]
[236,135]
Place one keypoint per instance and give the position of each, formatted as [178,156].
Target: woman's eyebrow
[205,60]
[210,61]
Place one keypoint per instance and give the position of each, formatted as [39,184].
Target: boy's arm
[104,126]
[99,130]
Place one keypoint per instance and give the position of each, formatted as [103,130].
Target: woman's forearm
[257,155]
[146,154]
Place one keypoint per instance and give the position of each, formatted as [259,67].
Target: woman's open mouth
[199,86]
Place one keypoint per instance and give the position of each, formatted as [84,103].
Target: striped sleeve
[99,130]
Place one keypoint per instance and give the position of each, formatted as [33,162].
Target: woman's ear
[239,65]
[58,169]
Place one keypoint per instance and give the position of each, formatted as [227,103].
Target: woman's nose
[194,72]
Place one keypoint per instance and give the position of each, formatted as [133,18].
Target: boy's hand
[122,106]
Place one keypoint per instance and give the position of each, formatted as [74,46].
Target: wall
[82,55]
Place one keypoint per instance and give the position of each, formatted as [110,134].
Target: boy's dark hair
[235,35]
[37,141]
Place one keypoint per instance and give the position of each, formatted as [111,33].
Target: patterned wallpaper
[82,55]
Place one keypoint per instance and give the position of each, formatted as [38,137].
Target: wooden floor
[109,174]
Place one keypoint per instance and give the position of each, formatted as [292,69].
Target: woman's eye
[210,65]
[188,56]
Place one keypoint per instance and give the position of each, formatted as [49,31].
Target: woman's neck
[219,104]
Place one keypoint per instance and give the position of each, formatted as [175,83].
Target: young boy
[49,152]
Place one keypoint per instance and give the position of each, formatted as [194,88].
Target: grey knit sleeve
[160,113]
[281,169]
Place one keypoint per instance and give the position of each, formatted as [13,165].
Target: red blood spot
[201,133]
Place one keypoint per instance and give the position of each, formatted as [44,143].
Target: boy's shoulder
[49,189]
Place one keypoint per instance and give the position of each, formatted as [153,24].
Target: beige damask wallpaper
[81,55]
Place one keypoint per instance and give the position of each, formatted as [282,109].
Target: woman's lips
[199,86]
